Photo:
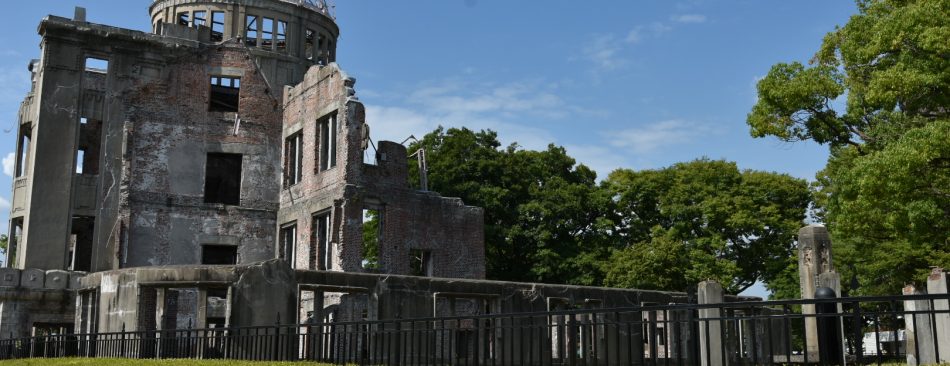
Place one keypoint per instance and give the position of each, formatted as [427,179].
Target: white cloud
[652,137]
[4,204]
[9,163]
[505,108]
[602,51]
[689,18]
[601,159]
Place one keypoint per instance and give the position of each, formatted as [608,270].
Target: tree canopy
[548,220]
[877,93]
[700,220]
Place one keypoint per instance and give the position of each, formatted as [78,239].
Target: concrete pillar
[937,284]
[814,258]
[710,331]
[918,331]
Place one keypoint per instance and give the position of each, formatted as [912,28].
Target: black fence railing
[862,330]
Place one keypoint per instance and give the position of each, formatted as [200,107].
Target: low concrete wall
[33,297]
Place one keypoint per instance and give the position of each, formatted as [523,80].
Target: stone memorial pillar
[710,331]
[937,284]
[918,331]
[814,259]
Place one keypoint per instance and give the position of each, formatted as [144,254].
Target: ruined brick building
[218,171]
[227,136]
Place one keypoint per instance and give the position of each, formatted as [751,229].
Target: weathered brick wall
[411,219]
[172,135]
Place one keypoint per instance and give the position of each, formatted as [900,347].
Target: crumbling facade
[173,148]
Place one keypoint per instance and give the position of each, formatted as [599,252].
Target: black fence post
[829,328]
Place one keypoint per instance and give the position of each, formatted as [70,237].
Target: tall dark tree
[700,220]
[546,220]
[885,192]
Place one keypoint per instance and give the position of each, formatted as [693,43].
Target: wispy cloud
[9,163]
[503,107]
[651,30]
[4,203]
[602,159]
[602,51]
[688,18]
[606,51]
[655,136]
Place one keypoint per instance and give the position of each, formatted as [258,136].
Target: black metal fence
[862,330]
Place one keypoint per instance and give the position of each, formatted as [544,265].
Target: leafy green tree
[703,220]
[877,92]
[546,220]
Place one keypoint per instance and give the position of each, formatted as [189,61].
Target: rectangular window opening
[217,26]
[250,31]
[83,228]
[225,94]
[267,33]
[218,254]
[80,159]
[321,55]
[288,244]
[308,44]
[97,64]
[327,131]
[321,250]
[183,19]
[83,120]
[293,159]
[216,307]
[200,18]
[420,262]
[223,179]
[281,35]
[17,233]
[26,136]
[372,229]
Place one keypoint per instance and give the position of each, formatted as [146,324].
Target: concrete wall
[34,297]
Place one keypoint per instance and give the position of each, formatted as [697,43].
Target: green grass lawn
[124,362]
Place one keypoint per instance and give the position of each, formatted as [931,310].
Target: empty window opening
[372,227]
[250,32]
[216,303]
[87,150]
[80,159]
[225,94]
[308,44]
[329,51]
[281,35]
[321,250]
[218,254]
[97,64]
[223,179]
[293,159]
[321,55]
[183,18]
[200,18]
[87,160]
[26,136]
[217,26]
[420,262]
[16,234]
[48,329]
[327,130]
[288,243]
[83,228]
[267,33]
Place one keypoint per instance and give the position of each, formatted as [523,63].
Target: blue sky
[635,84]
